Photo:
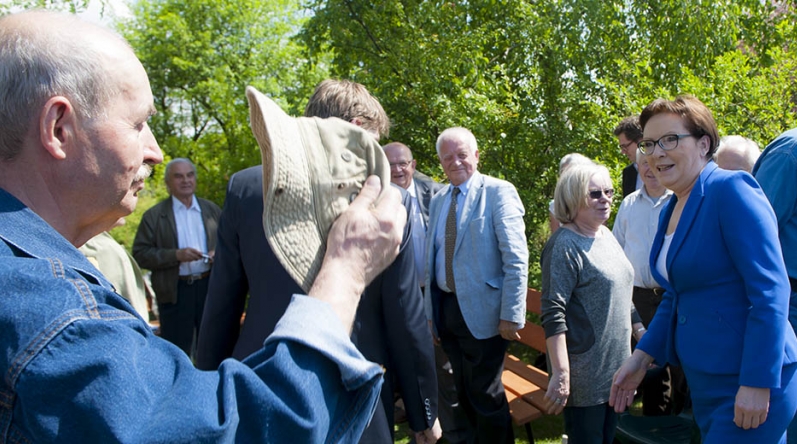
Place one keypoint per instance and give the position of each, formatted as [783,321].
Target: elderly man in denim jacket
[79,364]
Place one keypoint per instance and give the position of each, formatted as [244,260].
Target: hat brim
[312,169]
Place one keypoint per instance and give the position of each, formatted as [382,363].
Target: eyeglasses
[667,143]
[596,194]
[624,146]
[400,165]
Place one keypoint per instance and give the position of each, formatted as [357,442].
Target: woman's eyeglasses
[596,194]
[667,143]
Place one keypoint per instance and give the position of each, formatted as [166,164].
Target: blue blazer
[491,257]
[725,308]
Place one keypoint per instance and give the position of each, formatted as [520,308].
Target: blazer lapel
[688,215]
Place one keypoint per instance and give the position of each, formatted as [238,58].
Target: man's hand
[430,436]
[188,254]
[509,330]
[751,408]
[362,242]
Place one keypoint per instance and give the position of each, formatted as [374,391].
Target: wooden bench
[524,384]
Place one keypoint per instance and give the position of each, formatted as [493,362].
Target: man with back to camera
[390,327]
[176,240]
[776,172]
[244,263]
[629,133]
[80,365]
[421,188]
[476,281]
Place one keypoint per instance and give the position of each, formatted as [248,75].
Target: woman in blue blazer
[723,317]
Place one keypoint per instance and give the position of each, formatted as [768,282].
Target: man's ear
[57,126]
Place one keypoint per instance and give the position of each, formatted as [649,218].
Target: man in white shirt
[176,240]
[634,227]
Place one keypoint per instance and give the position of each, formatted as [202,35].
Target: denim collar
[31,236]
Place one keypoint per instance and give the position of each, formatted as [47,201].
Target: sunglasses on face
[596,194]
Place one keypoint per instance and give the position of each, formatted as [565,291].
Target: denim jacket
[81,366]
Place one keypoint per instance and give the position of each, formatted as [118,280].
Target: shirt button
[682,319]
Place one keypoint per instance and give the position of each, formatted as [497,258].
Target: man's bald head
[737,153]
[402,165]
[75,145]
[45,54]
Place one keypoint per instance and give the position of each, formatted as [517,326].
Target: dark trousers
[453,419]
[477,365]
[664,390]
[590,425]
[180,321]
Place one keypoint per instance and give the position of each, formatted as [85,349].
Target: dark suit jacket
[390,327]
[629,179]
[244,264]
[155,246]
[425,188]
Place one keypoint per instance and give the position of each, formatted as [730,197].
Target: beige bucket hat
[312,169]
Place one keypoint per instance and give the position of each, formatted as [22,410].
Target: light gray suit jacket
[491,257]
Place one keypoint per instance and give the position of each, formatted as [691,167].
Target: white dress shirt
[190,234]
[634,227]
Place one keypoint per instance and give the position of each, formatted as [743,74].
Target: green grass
[547,430]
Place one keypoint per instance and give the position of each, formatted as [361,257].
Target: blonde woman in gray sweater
[587,311]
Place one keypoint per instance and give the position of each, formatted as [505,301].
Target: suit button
[682,319]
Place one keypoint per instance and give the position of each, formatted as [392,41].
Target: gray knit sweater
[586,292]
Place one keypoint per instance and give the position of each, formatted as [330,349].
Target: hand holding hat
[312,170]
[363,241]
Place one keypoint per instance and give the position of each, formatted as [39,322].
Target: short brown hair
[630,127]
[348,100]
[697,117]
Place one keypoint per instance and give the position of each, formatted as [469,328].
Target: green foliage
[534,80]
[72,6]
[537,80]
[200,56]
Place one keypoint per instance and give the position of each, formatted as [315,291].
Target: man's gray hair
[35,66]
[743,153]
[175,161]
[457,133]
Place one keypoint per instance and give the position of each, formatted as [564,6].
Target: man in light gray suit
[476,280]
